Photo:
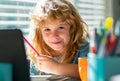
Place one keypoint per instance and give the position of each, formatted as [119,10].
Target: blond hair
[63,10]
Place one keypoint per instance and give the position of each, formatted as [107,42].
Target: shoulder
[82,52]
[84,49]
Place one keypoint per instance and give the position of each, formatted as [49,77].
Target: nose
[54,33]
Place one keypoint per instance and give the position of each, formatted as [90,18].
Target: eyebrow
[63,24]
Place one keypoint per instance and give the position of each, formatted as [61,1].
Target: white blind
[15,14]
[92,11]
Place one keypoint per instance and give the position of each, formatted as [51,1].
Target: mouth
[56,42]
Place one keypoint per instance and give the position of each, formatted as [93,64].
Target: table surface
[53,78]
[39,77]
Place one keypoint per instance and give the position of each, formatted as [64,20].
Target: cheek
[45,37]
[66,38]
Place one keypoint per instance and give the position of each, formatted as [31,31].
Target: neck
[58,53]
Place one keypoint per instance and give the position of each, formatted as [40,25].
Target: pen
[107,27]
[32,48]
[30,45]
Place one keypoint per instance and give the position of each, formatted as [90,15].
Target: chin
[57,48]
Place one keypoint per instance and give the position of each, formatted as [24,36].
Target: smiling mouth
[56,42]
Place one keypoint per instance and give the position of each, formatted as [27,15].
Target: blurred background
[15,13]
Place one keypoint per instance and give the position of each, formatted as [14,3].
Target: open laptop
[12,51]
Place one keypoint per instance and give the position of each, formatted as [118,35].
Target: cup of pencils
[83,68]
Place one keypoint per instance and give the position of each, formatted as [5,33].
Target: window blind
[15,14]
[92,11]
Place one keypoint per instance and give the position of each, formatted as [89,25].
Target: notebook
[12,51]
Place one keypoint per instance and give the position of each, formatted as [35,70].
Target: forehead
[54,22]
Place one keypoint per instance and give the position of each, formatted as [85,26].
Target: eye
[61,27]
[46,29]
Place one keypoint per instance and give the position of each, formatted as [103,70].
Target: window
[15,14]
[92,11]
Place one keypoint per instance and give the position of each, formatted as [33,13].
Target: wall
[116,9]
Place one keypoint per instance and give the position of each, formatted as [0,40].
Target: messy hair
[64,11]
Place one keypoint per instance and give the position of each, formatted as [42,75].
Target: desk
[39,77]
[53,78]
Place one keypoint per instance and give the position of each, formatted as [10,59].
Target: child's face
[56,35]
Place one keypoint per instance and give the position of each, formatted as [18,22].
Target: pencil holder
[5,72]
[102,68]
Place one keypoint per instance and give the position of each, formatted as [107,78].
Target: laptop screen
[12,50]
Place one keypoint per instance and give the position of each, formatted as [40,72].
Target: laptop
[12,51]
